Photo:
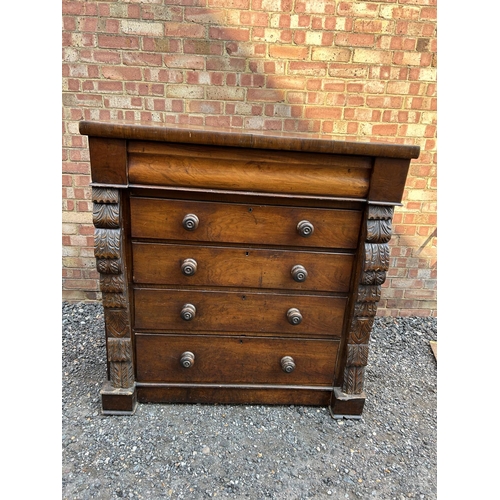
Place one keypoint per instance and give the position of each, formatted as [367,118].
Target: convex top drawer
[242,169]
[244,223]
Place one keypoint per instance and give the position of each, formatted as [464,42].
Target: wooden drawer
[244,223]
[216,312]
[236,169]
[241,267]
[235,360]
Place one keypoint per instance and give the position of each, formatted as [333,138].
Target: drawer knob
[287,364]
[188,312]
[294,316]
[188,267]
[299,273]
[190,222]
[187,359]
[305,228]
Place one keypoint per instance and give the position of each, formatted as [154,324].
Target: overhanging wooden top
[243,139]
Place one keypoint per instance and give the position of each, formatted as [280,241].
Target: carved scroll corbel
[375,264]
[108,251]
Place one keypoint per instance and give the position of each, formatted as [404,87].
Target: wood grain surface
[241,267]
[235,360]
[224,137]
[216,168]
[225,311]
[244,223]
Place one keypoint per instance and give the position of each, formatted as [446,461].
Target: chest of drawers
[238,267]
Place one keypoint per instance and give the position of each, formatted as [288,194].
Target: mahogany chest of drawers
[238,267]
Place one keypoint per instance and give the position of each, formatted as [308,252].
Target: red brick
[121,73]
[218,121]
[141,59]
[81,284]
[184,30]
[299,37]
[265,95]
[235,34]
[73,8]
[314,84]
[106,56]
[384,129]
[88,24]
[69,23]
[270,67]
[185,61]
[217,78]
[428,13]
[118,42]
[284,21]
[91,9]
[288,52]
[236,122]
[355,39]
[323,112]
[133,11]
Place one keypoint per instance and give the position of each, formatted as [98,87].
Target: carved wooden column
[118,394]
[348,400]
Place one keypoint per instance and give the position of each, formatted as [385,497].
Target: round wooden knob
[188,312]
[190,222]
[305,228]
[187,359]
[287,364]
[299,273]
[294,316]
[188,267]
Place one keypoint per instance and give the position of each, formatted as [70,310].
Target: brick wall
[346,69]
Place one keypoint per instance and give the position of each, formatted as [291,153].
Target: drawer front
[244,223]
[235,360]
[236,169]
[239,267]
[216,312]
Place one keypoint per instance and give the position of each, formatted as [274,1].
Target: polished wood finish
[267,140]
[388,179]
[108,158]
[240,267]
[248,223]
[242,311]
[267,172]
[234,360]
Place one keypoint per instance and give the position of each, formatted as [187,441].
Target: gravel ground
[254,452]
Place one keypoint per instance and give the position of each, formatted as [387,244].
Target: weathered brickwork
[346,69]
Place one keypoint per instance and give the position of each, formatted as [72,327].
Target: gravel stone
[253,452]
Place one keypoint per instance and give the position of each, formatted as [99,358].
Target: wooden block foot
[117,401]
[347,405]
